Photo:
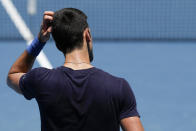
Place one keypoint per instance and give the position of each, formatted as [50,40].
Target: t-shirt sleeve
[127,101]
[27,84]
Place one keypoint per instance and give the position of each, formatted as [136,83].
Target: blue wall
[117,19]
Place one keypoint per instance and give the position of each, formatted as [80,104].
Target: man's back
[79,100]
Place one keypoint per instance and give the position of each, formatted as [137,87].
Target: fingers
[48,16]
[50,13]
[47,19]
[49,29]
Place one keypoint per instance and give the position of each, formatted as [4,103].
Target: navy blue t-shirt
[79,100]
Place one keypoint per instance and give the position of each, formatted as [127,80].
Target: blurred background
[150,43]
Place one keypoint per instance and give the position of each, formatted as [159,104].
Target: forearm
[23,64]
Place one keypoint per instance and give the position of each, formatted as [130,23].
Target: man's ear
[87,35]
[89,32]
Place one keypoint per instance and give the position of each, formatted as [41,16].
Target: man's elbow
[12,84]
[8,80]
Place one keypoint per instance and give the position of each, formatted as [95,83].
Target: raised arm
[132,124]
[25,62]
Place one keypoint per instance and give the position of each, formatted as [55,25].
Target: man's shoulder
[42,71]
[37,69]
[42,74]
[109,75]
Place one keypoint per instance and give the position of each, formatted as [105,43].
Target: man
[75,96]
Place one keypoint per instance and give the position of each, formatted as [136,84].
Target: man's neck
[77,59]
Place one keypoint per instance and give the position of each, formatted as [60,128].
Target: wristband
[35,47]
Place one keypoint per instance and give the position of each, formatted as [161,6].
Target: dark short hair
[67,29]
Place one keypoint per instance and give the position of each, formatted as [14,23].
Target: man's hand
[46,27]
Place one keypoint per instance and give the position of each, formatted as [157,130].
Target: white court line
[24,30]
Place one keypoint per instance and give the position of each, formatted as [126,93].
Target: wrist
[35,47]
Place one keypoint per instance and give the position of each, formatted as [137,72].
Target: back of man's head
[67,29]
